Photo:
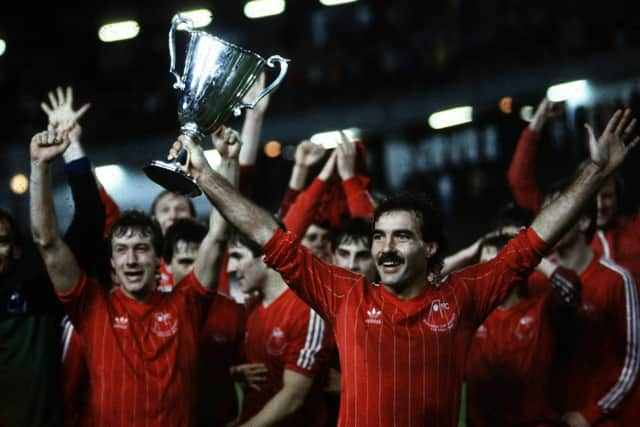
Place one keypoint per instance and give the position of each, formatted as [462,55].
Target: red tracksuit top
[402,360]
[509,366]
[140,355]
[287,334]
[603,364]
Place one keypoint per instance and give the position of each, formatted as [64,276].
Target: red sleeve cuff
[316,188]
[75,290]
[531,135]
[592,413]
[271,245]
[352,186]
[538,245]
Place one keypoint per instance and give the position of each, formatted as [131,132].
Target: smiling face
[355,255]
[400,254]
[169,208]
[249,270]
[135,263]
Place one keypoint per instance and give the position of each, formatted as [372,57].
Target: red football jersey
[605,358]
[141,356]
[402,360]
[287,334]
[509,365]
[621,243]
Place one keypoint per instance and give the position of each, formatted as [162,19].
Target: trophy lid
[171,177]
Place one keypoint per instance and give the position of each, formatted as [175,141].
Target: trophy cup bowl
[217,75]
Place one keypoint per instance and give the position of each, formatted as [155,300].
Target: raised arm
[62,266]
[307,154]
[358,199]
[607,154]
[252,126]
[210,254]
[521,173]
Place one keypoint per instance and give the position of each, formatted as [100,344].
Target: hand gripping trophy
[217,75]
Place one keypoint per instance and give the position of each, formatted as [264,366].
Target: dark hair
[431,228]
[513,215]
[138,221]
[351,230]
[184,229]
[15,234]
[192,208]
[236,237]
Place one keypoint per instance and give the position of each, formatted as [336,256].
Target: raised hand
[256,88]
[308,154]
[196,163]
[249,375]
[51,143]
[546,110]
[609,151]
[346,157]
[227,141]
[60,110]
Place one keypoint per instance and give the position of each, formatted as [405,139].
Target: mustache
[390,256]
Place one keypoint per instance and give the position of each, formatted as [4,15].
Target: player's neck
[273,287]
[409,291]
[576,257]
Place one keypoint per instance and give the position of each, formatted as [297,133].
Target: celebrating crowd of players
[338,309]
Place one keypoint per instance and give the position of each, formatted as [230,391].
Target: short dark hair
[15,234]
[430,223]
[236,237]
[351,230]
[184,229]
[192,208]
[136,220]
[510,214]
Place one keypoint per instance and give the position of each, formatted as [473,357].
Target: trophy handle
[179,84]
[283,72]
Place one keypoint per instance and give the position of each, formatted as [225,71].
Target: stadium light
[110,176]
[117,31]
[336,2]
[262,8]
[19,183]
[332,138]
[3,47]
[452,117]
[199,17]
[575,91]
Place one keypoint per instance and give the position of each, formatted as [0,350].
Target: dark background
[383,66]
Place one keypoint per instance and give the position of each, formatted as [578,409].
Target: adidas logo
[374,316]
[121,322]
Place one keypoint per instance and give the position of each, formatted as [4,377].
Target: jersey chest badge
[442,316]
[164,324]
[524,328]
[482,332]
[277,342]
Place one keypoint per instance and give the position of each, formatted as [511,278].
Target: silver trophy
[216,77]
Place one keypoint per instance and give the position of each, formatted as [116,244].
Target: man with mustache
[403,341]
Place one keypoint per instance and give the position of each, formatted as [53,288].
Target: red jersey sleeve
[82,298]
[358,199]
[622,318]
[308,349]
[322,286]
[521,174]
[289,197]
[489,282]
[302,211]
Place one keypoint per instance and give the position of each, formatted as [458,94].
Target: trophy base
[171,177]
